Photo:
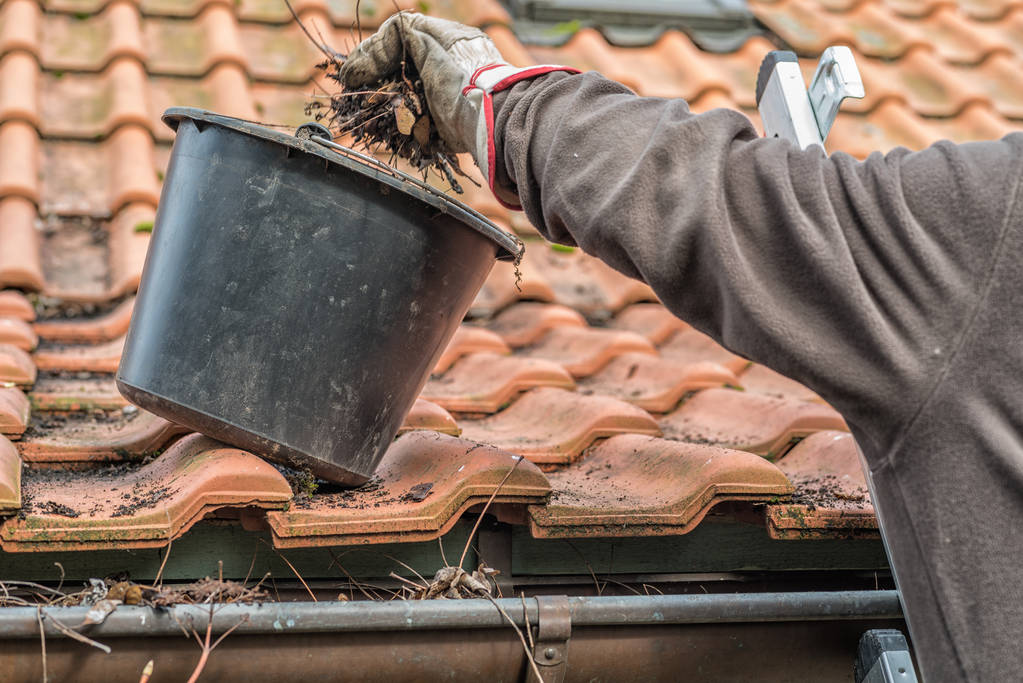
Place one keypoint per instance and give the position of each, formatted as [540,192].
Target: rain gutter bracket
[553,631]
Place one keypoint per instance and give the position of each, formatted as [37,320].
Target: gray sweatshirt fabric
[893,287]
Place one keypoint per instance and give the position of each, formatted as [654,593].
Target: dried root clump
[454,583]
[391,115]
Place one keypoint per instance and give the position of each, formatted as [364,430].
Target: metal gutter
[397,615]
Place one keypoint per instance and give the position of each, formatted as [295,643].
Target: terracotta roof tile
[14,304]
[19,164]
[132,169]
[20,263]
[20,22]
[283,55]
[585,283]
[421,488]
[19,88]
[427,416]
[147,506]
[501,288]
[129,174]
[130,436]
[958,39]
[17,333]
[998,80]
[469,339]
[10,477]
[554,426]
[759,379]
[691,346]
[583,351]
[16,366]
[987,10]
[643,486]
[128,240]
[653,321]
[106,327]
[77,43]
[653,383]
[808,29]
[483,382]
[760,424]
[91,106]
[60,394]
[525,323]
[103,357]
[14,411]
[831,498]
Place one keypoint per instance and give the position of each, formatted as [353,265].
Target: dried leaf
[405,118]
[421,131]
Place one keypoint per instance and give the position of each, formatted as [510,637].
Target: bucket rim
[510,247]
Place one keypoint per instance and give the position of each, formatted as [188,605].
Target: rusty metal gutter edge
[397,615]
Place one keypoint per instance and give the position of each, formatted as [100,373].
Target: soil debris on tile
[417,493]
[826,492]
[141,498]
[51,508]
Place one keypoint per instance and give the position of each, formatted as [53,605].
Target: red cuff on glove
[505,81]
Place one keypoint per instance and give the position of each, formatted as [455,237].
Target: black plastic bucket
[295,299]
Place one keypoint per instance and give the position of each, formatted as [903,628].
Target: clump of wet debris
[309,491]
[391,115]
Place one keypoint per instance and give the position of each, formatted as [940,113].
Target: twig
[206,649]
[525,616]
[207,646]
[42,639]
[60,584]
[596,583]
[486,507]
[522,639]
[296,572]
[163,563]
[75,635]
[440,541]
[252,565]
[32,585]
[395,559]
[358,21]
[408,581]
[322,48]
[351,579]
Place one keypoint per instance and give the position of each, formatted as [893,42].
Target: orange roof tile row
[575,367]
[553,427]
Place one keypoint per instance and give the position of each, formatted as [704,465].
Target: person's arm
[855,278]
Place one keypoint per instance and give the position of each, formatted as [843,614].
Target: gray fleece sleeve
[855,278]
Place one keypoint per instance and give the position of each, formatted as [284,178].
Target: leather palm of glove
[460,68]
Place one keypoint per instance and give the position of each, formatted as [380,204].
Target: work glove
[460,68]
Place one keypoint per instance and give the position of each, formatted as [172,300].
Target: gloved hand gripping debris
[421,87]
